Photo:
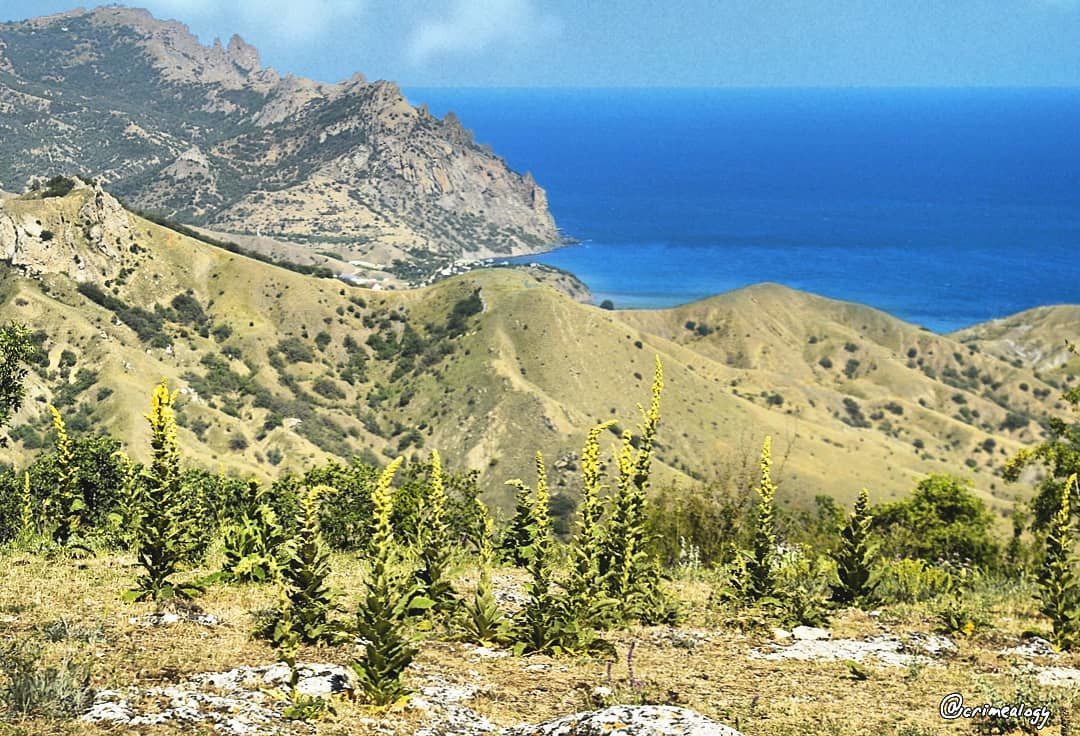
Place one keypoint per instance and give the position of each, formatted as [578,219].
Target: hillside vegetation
[278,369]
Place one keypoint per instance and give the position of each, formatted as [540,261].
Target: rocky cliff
[208,135]
[86,239]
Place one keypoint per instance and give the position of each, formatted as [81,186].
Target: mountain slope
[211,137]
[1032,338]
[278,370]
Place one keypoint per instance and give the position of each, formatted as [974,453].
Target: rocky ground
[878,672]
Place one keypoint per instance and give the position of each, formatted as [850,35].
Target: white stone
[1058,677]
[810,633]
[628,720]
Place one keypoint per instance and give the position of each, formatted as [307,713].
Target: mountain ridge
[207,135]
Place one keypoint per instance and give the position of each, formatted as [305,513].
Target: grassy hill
[278,369]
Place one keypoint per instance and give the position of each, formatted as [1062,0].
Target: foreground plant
[305,573]
[68,500]
[254,542]
[435,547]
[536,626]
[484,622]
[380,620]
[855,557]
[628,568]
[163,532]
[587,599]
[1058,590]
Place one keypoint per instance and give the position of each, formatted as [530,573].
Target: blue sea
[942,207]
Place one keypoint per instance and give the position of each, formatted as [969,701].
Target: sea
[944,207]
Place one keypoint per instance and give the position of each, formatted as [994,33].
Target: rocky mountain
[279,369]
[209,136]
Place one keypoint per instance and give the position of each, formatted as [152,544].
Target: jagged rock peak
[243,54]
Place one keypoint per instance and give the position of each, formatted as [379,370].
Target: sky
[582,43]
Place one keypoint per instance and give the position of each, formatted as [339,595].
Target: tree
[16,347]
[941,521]
[1059,454]
[855,555]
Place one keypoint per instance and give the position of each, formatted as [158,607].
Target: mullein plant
[483,621]
[125,521]
[753,575]
[164,522]
[1059,593]
[517,541]
[855,556]
[536,627]
[761,565]
[435,545]
[28,527]
[630,572]
[253,544]
[380,619]
[305,572]
[586,598]
[68,500]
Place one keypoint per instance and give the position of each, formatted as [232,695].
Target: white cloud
[473,26]
[284,20]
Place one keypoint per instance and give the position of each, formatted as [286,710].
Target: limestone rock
[628,720]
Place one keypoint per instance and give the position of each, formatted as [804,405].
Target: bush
[910,581]
[802,588]
[941,521]
[188,310]
[326,388]
[34,689]
[296,350]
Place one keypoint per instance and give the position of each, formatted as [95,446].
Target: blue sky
[646,42]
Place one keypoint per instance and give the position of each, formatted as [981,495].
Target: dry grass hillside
[279,370]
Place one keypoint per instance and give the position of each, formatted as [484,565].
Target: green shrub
[802,587]
[910,581]
[296,350]
[31,688]
[941,521]
[253,544]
